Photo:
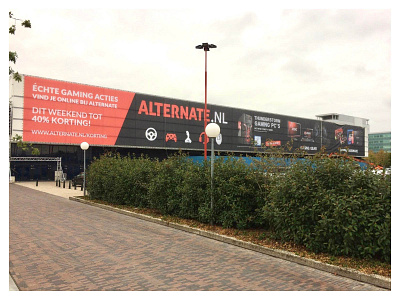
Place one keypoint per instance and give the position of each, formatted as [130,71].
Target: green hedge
[328,205]
[178,188]
[121,180]
[332,205]
[238,193]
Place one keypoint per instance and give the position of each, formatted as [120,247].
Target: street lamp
[212,131]
[84,147]
[206,47]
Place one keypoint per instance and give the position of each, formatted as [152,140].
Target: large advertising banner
[70,113]
[159,122]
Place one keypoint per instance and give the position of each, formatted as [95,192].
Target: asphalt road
[62,245]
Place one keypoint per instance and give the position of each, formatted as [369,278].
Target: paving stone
[60,245]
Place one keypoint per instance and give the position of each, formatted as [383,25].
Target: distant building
[344,119]
[380,141]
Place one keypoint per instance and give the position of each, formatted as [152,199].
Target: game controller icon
[171,137]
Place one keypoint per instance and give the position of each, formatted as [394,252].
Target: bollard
[37,182]
[69,185]
[56,182]
[82,187]
[64,184]
[75,186]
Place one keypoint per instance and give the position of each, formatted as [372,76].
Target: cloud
[294,62]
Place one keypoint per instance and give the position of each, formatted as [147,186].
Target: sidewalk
[51,188]
[12,286]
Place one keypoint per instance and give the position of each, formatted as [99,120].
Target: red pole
[205,109]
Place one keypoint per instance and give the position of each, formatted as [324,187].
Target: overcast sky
[296,62]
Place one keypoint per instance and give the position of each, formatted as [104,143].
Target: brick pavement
[58,244]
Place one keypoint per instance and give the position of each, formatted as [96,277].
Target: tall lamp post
[212,130]
[206,47]
[84,147]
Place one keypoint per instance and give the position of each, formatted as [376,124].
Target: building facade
[380,141]
[57,116]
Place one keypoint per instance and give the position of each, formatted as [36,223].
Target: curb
[376,280]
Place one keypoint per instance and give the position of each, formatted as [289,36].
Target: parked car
[78,179]
[386,171]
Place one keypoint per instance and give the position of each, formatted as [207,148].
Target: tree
[380,158]
[25,146]
[13,55]
[13,58]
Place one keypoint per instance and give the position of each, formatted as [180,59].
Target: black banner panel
[157,122]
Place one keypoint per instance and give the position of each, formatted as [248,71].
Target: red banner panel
[71,113]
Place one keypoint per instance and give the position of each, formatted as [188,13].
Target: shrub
[100,179]
[332,205]
[194,190]
[138,173]
[164,187]
[179,187]
[237,198]
[121,180]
